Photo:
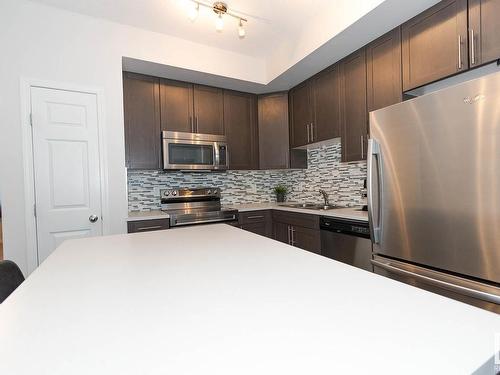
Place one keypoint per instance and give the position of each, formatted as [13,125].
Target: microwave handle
[216,155]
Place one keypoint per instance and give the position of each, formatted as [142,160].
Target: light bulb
[219,23]
[193,11]
[241,30]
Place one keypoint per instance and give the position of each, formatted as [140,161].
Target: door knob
[93,218]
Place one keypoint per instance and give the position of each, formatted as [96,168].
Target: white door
[66,167]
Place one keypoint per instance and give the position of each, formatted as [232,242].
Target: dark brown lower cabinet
[258,222]
[307,239]
[281,232]
[147,225]
[296,229]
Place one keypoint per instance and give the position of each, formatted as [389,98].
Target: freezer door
[434,179]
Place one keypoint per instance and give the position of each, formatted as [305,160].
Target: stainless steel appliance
[194,152]
[347,241]
[434,191]
[195,206]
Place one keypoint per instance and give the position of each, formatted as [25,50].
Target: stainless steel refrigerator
[434,191]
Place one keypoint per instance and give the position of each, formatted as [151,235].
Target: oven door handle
[448,285]
[175,223]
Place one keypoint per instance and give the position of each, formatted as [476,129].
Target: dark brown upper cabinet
[353,109]
[240,123]
[383,71]
[301,118]
[176,105]
[326,105]
[208,110]
[484,31]
[191,108]
[141,103]
[435,44]
[274,145]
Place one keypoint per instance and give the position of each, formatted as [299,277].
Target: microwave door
[196,155]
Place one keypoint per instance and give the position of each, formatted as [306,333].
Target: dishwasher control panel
[352,227]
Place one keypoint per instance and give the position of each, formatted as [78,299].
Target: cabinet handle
[255,217]
[472,48]
[308,134]
[148,228]
[362,146]
[191,124]
[288,228]
[196,124]
[292,231]
[459,52]
[312,131]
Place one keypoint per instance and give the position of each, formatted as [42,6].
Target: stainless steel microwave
[191,151]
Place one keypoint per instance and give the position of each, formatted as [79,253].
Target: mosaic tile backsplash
[342,181]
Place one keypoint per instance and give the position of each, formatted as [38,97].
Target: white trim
[27,142]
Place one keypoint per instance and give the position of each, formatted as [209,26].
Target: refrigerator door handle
[374,217]
[448,282]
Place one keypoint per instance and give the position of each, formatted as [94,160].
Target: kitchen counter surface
[147,215]
[219,300]
[353,213]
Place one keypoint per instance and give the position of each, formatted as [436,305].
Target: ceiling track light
[220,9]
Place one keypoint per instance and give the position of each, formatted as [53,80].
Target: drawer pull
[149,228]
[256,217]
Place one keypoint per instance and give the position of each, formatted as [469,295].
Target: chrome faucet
[325,196]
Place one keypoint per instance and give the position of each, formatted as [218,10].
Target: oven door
[189,154]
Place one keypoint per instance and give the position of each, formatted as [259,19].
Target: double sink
[311,206]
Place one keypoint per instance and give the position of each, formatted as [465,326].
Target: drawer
[296,219]
[250,217]
[148,225]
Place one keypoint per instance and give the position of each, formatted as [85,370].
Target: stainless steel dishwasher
[347,241]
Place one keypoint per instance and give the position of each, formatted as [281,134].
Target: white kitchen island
[218,300]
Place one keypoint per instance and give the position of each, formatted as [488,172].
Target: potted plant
[281,191]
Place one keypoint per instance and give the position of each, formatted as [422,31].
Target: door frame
[27,144]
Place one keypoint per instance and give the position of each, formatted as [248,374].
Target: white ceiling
[270,23]
[295,38]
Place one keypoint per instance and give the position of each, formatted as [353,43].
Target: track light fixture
[221,10]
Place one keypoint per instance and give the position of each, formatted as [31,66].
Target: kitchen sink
[311,206]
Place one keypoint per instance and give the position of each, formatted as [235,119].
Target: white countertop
[353,213]
[147,215]
[219,300]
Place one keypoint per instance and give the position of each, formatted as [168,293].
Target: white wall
[45,43]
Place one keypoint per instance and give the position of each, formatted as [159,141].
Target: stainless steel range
[195,206]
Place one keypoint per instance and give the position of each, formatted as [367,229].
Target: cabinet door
[301,114]
[281,232]
[274,146]
[383,71]
[141,102]
[326,105]
[484,31]
[176,106]
[240,124]
[257,228]
[307,239]
[353,107]
[435,44]
[208,110]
